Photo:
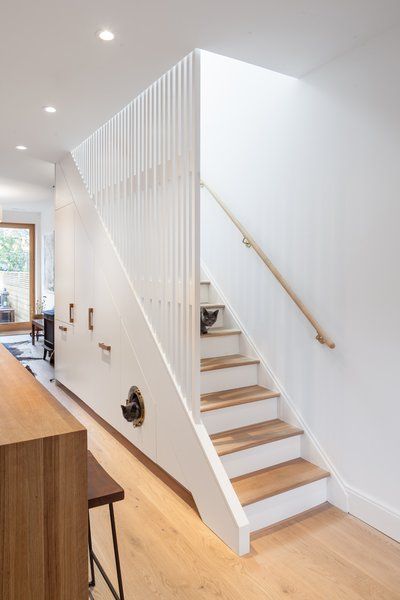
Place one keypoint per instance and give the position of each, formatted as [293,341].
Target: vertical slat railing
[141,170]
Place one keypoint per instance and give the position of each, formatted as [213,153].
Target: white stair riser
[227,379]
[261,457]
[241,415]
[204,289]
[283,506]
[220,318]
[220,345]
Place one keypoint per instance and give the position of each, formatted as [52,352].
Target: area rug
[24,350]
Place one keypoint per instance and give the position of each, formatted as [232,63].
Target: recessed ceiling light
[105,35]
[49,109]
[21,148]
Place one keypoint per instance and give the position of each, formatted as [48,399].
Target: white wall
[311,167]
[47,226]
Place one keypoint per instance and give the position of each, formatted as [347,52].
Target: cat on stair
[207,318]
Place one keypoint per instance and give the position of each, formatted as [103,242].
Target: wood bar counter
[43,492]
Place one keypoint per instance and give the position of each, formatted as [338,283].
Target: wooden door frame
[32,275]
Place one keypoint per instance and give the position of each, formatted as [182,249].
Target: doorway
[17,275]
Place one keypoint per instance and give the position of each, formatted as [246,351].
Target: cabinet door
[64,263]
[107,363]
[65,355]
[83,321]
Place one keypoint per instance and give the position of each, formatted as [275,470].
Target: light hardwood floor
[167,553]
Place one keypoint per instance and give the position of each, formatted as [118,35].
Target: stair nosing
[247,362]
[253,444]
[323,474]
[267,395]
[220,332]
[212,304]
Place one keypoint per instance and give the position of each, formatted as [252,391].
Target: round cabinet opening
[133,410]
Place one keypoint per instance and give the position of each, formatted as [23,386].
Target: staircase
[260,453]
[139,204]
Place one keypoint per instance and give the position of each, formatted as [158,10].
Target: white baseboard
[375,514]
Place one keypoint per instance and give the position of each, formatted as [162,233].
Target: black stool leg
[92,581]
[116,553]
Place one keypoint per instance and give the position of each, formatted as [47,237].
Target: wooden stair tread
[204,282]
[235,440]
[226,362]
[276,480]
[210,305]
[243,395]
[220,331]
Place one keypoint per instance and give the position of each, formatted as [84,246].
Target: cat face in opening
[207,318]
[131,411]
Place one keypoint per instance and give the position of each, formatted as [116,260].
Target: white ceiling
[49,54]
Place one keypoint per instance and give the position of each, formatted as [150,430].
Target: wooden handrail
[248,241]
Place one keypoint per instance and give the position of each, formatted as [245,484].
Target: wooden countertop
[27,410]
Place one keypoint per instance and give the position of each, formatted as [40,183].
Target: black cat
[207,318]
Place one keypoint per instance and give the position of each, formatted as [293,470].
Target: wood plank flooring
[167,553]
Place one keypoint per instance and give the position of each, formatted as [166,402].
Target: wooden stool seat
[102,489]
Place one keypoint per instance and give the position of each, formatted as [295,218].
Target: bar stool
[102,490]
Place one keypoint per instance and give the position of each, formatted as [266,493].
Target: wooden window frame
[32,276]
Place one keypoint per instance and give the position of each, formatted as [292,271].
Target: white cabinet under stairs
[260,453]
[94,357]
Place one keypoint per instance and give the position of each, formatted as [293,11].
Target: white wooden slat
[141,171]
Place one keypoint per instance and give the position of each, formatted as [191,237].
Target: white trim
[375,514]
